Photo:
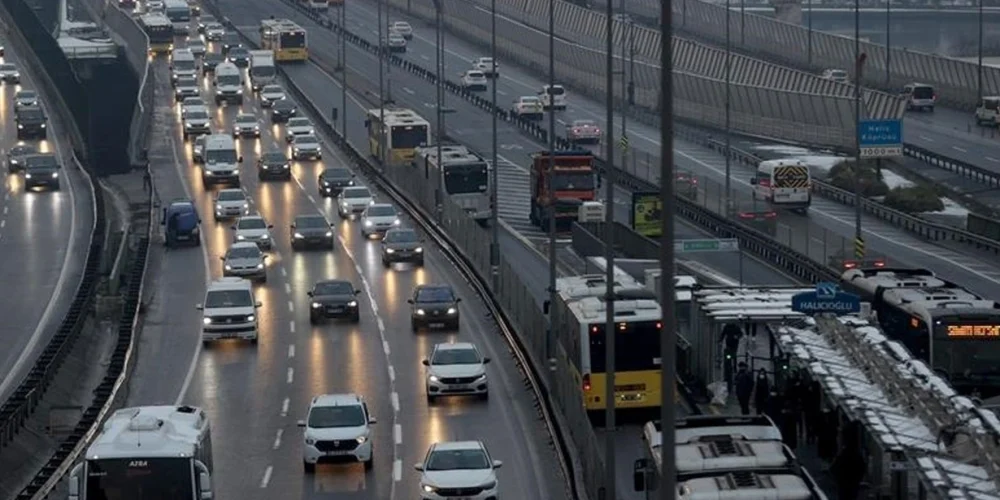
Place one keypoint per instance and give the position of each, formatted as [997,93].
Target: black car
[16,155]
[312,231]
[210,61]
[41,170]
[334,299]
[31,123]
[204,21]
[402,245]
[230,41]
[434,306]
[239,56]
[273,165]
[333,180]
[282,110]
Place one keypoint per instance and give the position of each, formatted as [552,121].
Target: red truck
[573,182]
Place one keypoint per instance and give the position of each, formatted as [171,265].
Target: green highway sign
[688,246]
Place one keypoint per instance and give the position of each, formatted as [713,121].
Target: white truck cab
[229,311]
[228,84]
[182,63]
[221,161]
[553,97]
[262,70]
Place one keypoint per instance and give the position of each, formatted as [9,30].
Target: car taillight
[879,263]
[770,215]
[746,215]
[576,131]
[850,264]
[586,383]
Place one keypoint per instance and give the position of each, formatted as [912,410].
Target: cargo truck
[573,183]
[262,71]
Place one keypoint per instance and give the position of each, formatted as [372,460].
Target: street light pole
[888,41]
[381,87]
[668,339]
[979,68]
[610,331]
[743,23]
[729,52]
[809,35]
[438,195]
[550,174]
[859,63]
[624,89]
[494,174]
[343,71]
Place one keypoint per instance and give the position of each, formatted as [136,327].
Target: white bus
[461,174]
[148,452]
[784,184]
[179,13]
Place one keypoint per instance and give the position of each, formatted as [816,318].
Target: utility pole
[381,85]
[979,68]
[343,72]
[494,174]
[729,59]
[438,14]
[550,174]
[610,332]
[888,41]
[668,339]
[624,91]
[809,36]
[859,61]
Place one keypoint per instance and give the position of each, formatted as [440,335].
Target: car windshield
[233,80]
[529,100]
[42,161]
[334,288]
[381,211]
[221,156]
[838,73]
[200,141]
[247,252]
[196,44]
[584,123]
[231,195]
[7,67]
[22,150]
[299,122]
[455,357]
[272,89]
[306,139]
[284,106]
[402,24]
[246,120]
[357,193]
[326,417]
[486,60]
[253,223]
[457,460]
[923,92]
[26,95]
[213,58]
[197,115]
[184,64]
[401,236]
[557,90]
[311,222]
[228,298]
[337,173]
[435,294]
[475,74]
[274,158]
[214,26]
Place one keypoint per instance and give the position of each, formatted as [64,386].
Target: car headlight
[350,183]
[218,207]
[43,125]
[389,250]
[418,250]
[352,303]
[362,439]
[239,91]
[489,486]
[55,175]
[343,204]
[20,126]
[228,267]
[246,205]
[452,310]
[329,234]
[368,223]
[240,237]
[265,236]
[433,378]
[285,166]
[251,317]
[428,488]
[371,202]
[218,92]
[310,441]
[397,222]
[316,305]
[260,266]
[298,235]
[206,320]
[295,150]
[27,176]
[421,312]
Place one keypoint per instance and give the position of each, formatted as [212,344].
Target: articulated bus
[160,31]
[402,133]
[462,174]
[286,38]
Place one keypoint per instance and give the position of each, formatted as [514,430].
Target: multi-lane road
[255,394]
[43,237]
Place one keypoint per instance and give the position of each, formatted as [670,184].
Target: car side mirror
[213,83]
[356,292]
[497,464]
[163,220]
[458,299]
[240,159]
[301,423]
[639,474]
[419,467]
[333,225]
[233,227]
[309,293]
[270,226]
[258,304]
[486,361]
[409,301]
[371,420]
[293,225]
[426,362]
[264,257]
[199,307]
[753,181]
[222,258]
[546,306]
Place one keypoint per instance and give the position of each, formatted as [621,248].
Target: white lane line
[264,481]
[395,402]
[5,210]
[385,347]
[392,374]
[990,158]
[397,470]
[277,439]
[291,375]
[291,349]
[313,200]
[408,90]
[381,325]
[284,407]
[3,223]
[288,288]
[928,139]
[291,306]
[961,150]
[291,327]
[284,273]
[397,433]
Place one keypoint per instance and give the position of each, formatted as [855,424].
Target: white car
[253,228]
[456,369]
[155,6]
[403,28]
[298,126]
[487,66]
[395,43]
[246,125]
[197,122]
[353,201]
[379,218]
[231,203]
[245,260]
[458,469]
[190,103]
[837,75]
[214,32]
[529,107]
[187,86]
[553,97]
[306,147]
[9,74]
[271,93]
[197,47]
[229,311]
[337,428]
[198,149]
[474,80]
[25,99]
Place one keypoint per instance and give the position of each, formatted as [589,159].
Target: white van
[221,162]
[228,84]
[988,111]
[229,311]
[553,97]
[783,183]
[262,71]
[182,63]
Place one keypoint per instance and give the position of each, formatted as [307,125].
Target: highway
[254,395]
[44,237]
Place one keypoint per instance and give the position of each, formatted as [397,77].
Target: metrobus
[160,31]
[286,38]
[462,174]
[148,452]
[179,13]
[399,137]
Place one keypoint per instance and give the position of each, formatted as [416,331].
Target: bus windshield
[293,40]
[463,179]
[565,181]
[139,478]
[409,136]
[229,80]
[967,344]
[637,347]
[262,71]
[184,65]
[179,14]
[160,34]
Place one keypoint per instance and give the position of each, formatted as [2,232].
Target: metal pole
[381,86]
[494,175]
[624,91]
[729,52]
[610,331]
[668,340]
[979,68]
[439,199]
[743,22]
[551,209]
[857,118]
[888,41]
[343,72]
[809,36]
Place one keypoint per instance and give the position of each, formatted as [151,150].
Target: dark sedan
[239,56]
[210,61]
[41,171]
[434,306]
[16,154]
[282,110]
[402,245]
[273,165]
[312,231]
[333,180]
[334,299]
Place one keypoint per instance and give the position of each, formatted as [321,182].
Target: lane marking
[928,139]
[385,347]
[284,273]
[395,401]
[956,148]
[288,288]
[392,374]
[291,375]
[397,433]
[291,306]
[408,90]
[397,470]
[3,223]
[5,210]
[291,326]
[291,349]
[277,439]
[284,407]
[990,158]
[267,476]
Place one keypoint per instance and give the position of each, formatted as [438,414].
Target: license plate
[436,325]
[337,453]
[229,335]
[461,387]
[336,309]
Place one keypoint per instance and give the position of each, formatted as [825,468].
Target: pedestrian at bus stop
[744,388]
[762,391]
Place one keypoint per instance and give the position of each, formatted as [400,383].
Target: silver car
[9,74]
[245,260]
[306,147]
[379,218]
[253,229]
[298,126]
[353,201]
[25,99]
[231,203]
[198,149]
[271,93]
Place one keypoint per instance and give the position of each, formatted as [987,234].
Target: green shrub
[844,176]
[914,200]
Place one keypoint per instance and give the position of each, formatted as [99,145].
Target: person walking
[762,391]
[744,388]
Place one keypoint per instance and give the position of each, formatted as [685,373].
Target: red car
[584,131]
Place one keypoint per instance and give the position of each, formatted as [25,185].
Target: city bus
[402,133]
[160,31]
[460,173]
[286,38]
[179,13]
[148,452]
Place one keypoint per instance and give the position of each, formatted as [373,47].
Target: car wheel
[309,468]
[414,326]
[253,341]
[356,318]
[430,399]
[313,319]
[341,215]
[370,463]
[420,263]
[453,325]
[263,279]
[386,264]
[484,396]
